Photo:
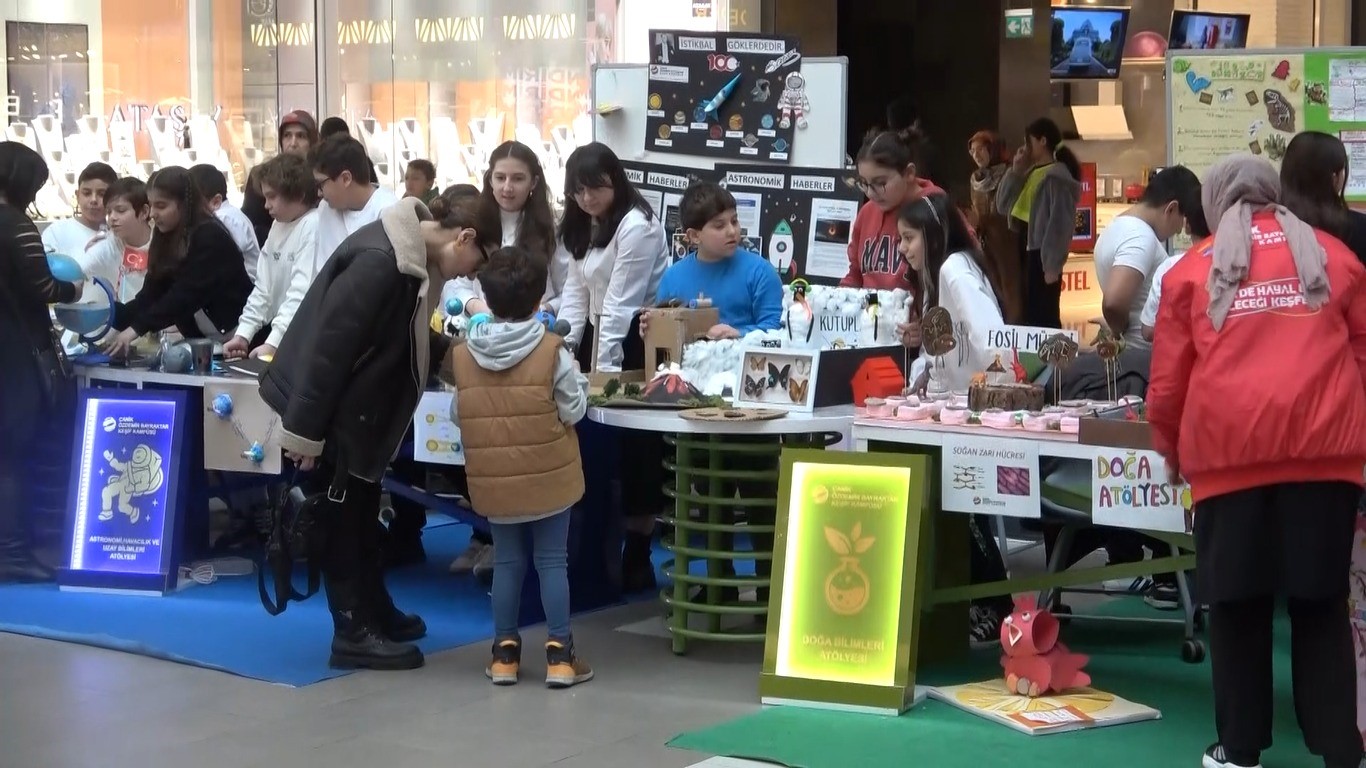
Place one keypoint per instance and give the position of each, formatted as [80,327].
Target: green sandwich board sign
[1019,23]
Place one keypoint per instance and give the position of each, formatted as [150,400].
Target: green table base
[707,469]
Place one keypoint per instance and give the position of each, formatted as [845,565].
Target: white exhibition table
[664,420]
[140,376]
[1051,444]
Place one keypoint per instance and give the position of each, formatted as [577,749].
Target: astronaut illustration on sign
[142,476]
[793,102]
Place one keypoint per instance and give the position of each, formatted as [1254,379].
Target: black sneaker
[1163,597]
[984,630]
[1216,757]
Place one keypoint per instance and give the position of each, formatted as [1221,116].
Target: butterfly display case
[778,378]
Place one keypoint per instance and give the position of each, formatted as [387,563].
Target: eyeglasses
[320,183]
[877,185]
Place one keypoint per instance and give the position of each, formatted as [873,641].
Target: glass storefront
[142,85]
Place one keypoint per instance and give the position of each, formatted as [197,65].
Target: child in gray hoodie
[518,395]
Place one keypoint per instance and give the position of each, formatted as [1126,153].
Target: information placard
[125,498]
[436,439]
[990,476]
[841,629]
[1129,489]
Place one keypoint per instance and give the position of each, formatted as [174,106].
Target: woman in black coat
[34,375]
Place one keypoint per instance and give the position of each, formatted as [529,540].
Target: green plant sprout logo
[847,587]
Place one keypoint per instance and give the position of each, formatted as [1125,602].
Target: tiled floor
[70,706]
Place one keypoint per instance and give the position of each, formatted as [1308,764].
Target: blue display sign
[125,491]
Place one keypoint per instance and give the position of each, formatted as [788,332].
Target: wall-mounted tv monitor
[1201,31]
[1088,43]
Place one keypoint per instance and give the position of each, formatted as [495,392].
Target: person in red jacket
[1257,397]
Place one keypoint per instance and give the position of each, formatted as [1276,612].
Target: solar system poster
[805,217]
[727,96]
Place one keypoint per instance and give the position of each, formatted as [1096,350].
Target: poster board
[663,186]
[624,89]
[1219,103]
[725,95]
[800,219]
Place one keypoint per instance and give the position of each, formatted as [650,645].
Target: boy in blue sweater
[741,284]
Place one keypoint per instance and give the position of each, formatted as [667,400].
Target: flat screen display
[1087,43]
[1200,31]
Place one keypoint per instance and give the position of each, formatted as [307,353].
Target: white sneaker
[483,564]
[1215,757]
[1135,586]
[467,559]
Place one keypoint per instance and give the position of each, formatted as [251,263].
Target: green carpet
[1138,662]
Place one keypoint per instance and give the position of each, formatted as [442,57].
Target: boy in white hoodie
[518,395]
[291,199]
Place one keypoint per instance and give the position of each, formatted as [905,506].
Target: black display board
[803,217]
[726,96]
[663,186]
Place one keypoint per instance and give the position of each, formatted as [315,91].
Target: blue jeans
[550,554]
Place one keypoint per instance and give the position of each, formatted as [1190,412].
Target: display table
[711,460]
[944,630]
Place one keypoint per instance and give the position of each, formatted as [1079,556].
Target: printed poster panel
[1236,103]
[992,476]
[126,464]
[841,598]
[734,96]
[436,439]
[1129,489]
[663,187]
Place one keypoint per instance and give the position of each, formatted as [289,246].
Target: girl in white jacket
[291,199]
[956,276]
[516,202]
[618,253]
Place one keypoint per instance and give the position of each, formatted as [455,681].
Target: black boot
[357,641]
[396,625]
[17,563]
[637,572]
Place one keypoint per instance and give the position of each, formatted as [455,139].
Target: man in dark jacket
[346,380]
[298,135]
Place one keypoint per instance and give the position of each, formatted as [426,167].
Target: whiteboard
[821,145]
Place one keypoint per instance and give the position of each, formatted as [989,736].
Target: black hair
[945,232]
[290,177]
[442,204]
[130,189]
[894,150]
[1046,129]
[1311,160]
[22,173]
[342,153]
[513,282]
[168,249]
[702,202]
[98,172]
[1195,222]
[211,181]
[425,168]
[537,231]
[596,165]
[333,126]
[1173,184]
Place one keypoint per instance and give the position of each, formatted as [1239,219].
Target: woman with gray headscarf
[1258,399]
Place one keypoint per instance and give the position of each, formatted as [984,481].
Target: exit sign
[1019,23]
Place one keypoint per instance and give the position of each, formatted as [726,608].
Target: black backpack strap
[290,518]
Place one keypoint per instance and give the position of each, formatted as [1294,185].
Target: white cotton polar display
[704,360]
[834,307]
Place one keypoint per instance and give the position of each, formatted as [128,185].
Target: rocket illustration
[782,61]
[780,247]
[707,111]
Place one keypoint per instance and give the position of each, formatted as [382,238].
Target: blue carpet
[223,626]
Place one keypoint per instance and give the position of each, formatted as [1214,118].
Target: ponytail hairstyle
[462,213]
[894,150]
[169,249]
[1051,134]
[442,204]
[945,232]
[537,231]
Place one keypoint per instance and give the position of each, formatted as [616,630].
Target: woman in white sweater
[956,276]
[516,202]
[618,253]
[291,198]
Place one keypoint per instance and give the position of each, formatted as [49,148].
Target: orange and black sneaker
[564,668]
[507,660]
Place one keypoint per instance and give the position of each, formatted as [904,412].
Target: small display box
[1124,425]
[673,328]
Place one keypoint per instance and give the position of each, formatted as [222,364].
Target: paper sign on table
[436,439]
[993,476]
[1129,489]
[1022,338]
